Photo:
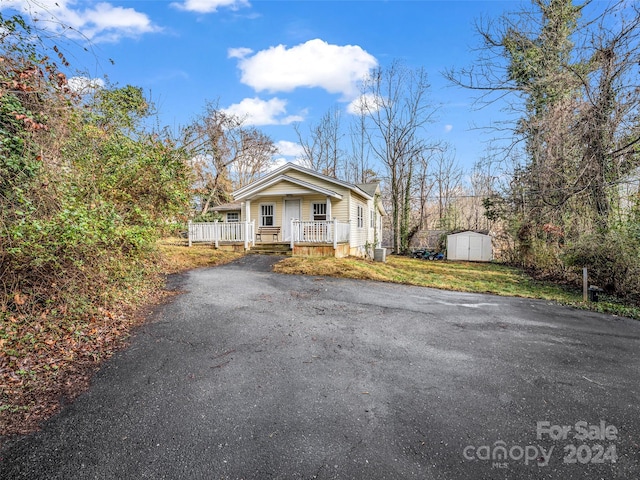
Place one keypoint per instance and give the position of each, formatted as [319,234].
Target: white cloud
[84,85]
[101,22]
[239,52]
[282,161]
[448,128]
[289,149]
[366,103]
[263,112]
[316,63]
[210,6]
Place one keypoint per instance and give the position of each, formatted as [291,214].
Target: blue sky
[277,62]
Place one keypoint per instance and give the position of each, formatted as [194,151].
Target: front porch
[313,238]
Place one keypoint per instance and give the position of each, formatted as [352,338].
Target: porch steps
[271,249]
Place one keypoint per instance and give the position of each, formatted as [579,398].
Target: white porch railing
[217,232]
[331,232]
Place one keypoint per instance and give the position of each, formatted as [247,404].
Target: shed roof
[471,232]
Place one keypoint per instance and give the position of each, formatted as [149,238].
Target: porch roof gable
[246,193]
[280,172]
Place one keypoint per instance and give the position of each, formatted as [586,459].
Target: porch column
[328,208]
[247,211]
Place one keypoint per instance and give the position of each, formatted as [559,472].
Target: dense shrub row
[85,191]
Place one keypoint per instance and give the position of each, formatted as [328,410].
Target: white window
[360,216]
[233,217]
[319,211]
[267,216]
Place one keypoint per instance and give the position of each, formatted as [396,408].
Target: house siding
[319,182]
[344,210]
[284,188]
[359,236]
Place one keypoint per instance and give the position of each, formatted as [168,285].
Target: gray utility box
[380,254]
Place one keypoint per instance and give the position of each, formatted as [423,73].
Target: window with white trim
[319,211]
[360,216]
[267,216]
[233,217]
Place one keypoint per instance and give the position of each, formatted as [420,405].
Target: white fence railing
[331,232]
[217,232]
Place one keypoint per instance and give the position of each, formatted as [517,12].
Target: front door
[291,212]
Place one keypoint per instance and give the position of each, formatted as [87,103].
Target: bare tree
[570,74]
[225,154]
[359,168]
[321,147]
[396,102]
[254,156]
[447,178]
[425,185]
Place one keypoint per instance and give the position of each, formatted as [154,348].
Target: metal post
[585,281]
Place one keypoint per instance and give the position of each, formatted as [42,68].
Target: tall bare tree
[395,100]
[570,71]
[359,166]
[226,154]
[447,178]
[321,147]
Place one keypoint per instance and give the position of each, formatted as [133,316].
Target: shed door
[475,248]
[291,212]
[462,247]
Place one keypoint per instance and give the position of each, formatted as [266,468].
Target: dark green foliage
[85,189]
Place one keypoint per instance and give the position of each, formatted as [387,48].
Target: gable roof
[279,175]
[369,188]
[279,178]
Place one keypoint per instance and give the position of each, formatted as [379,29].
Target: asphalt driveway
[254,375]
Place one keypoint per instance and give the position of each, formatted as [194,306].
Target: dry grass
[459,276]
[177,256]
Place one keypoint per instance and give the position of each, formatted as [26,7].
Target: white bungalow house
[311,213]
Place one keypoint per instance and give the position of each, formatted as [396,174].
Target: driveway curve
[254,375]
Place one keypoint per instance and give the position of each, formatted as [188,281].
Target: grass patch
[176,256]
[472,277]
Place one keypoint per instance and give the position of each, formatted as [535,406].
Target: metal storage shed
[472,246]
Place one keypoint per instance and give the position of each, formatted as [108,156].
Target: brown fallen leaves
[47,359]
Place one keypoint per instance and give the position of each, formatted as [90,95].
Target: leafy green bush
[82,232]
